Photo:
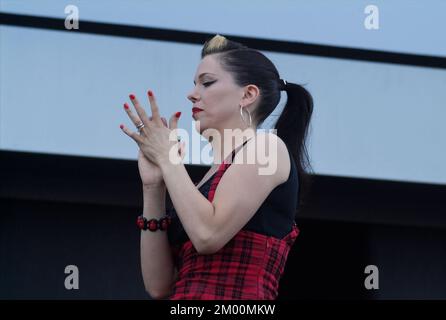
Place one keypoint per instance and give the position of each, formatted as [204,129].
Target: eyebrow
[204,73]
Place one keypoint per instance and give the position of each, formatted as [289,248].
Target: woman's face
[217,95]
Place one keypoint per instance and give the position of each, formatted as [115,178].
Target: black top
[274,217]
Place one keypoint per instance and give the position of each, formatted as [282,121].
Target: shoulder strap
[237,149]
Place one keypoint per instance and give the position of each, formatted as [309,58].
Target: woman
[228,236]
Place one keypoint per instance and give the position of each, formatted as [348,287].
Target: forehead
[208,66]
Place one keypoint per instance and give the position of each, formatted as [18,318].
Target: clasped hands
[156,140]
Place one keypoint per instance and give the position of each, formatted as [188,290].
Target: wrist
[168,166]
[153,224]
[160,186]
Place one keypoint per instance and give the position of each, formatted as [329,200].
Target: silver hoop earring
[243,118]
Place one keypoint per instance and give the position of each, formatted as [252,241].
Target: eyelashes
[207,84]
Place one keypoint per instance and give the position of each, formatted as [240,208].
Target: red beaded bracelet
[153,224]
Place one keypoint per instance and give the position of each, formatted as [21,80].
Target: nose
[192,96]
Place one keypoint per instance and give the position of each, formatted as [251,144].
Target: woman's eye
[207,84]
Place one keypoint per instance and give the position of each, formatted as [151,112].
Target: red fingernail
[132,96]
[150,93]
[126,106]
[178,114]
[121,126]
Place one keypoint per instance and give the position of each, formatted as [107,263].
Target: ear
[251,93]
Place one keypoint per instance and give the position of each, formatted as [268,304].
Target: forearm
[193,209]
[156,259]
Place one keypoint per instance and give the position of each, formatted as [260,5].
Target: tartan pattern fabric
[249,266]
[221,170]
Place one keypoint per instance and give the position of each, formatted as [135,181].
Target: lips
[195,110]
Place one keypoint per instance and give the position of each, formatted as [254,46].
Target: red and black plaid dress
[251,264]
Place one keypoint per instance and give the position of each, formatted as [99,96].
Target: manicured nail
[121,126]
[150,93]
[178,114]
[126,106]
[132,96]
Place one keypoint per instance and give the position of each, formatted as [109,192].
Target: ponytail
[292,127]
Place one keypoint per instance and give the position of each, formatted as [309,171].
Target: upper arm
[245,185]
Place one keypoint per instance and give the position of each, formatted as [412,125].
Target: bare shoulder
[271,154]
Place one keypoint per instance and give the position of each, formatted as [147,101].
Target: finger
[135,119]
[154,106]
[139,110]
[131,134]
[164,121]
[173,121]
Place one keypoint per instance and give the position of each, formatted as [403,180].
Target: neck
[224,144]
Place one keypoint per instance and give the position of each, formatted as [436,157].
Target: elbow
[206,245]
[161,291]
[205,250]
[158,295]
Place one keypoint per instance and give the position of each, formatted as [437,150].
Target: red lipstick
[195,110]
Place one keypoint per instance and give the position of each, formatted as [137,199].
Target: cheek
[220,105]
